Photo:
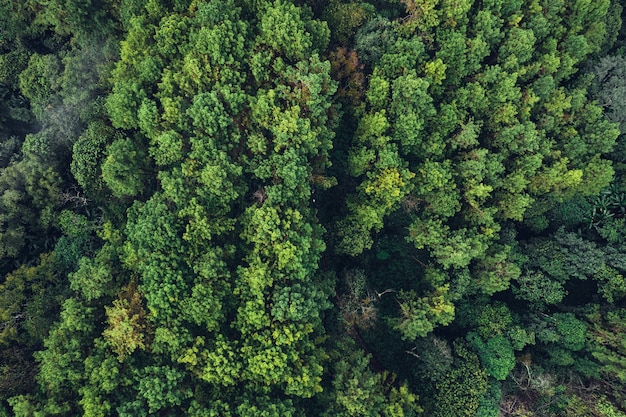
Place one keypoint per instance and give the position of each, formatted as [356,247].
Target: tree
[496,355]
[606,339]
[40,82]
[358,391]
[481,156]
[457,135]
[232,296]
[62,361]
[421,315]
[125,166]
[25,316]
[127,328]
[460,392]
[29,197]
[88,155]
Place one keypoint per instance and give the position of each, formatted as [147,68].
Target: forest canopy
[329,208]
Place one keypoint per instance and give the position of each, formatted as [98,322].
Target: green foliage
[490,403]
[127,326]
[78,239]
[481,156]
[124,168]
[283,30]
[266,407]
[88,154]
[461,391]
[550,264]
[609,89]
[563,338]
[29,295]
[29,191]
[61,362]
[539,290]
[496,355]
[13,62]
[92,279]
[435,357]
[457,140]
[87,21]
[229,279]
[497,270]
[572,331]
[73,224]
[373,39]
[357,391]
[611,284]
[420,315]
[160,387]
[40,81]
[607,342]
[495,333]
[344,19]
